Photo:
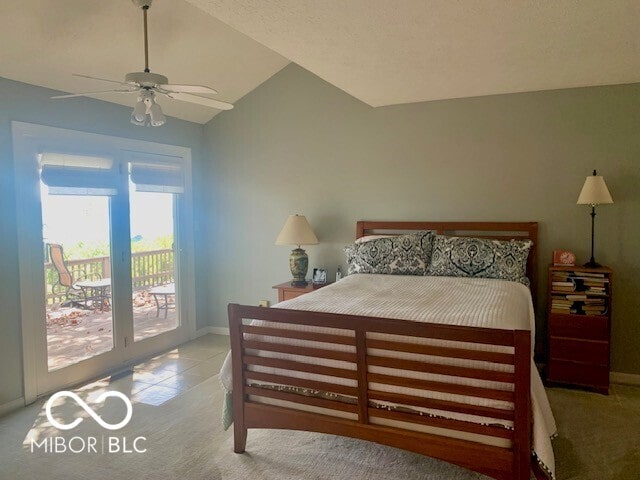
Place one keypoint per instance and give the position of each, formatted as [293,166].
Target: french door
[105,252]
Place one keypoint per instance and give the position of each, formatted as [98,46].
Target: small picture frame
[319,276]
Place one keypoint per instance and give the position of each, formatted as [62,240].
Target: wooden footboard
[351,407]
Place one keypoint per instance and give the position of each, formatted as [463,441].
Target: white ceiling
[382,52]
[42,42]
[387,52]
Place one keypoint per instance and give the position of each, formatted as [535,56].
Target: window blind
[66,174]
[154,173]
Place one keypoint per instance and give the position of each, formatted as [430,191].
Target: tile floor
[166,376]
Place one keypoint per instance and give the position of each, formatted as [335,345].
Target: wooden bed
[512,462]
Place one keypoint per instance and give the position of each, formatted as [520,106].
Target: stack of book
[561,305]
[580,293]
[594,283]
[594,306]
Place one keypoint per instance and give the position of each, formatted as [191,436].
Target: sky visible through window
[70,219]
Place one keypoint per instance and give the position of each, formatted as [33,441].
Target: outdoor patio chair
[82,290]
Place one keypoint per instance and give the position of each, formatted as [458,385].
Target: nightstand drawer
[289,294]
[286,291]
[579,326]
[578,373]
[588,351]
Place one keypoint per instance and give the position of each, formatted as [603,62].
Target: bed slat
[493,357]
[450,424]
[302,399]
[443,387]
[350,323]
[444,405]
[312,336]
[454,333]
[299,366]
[301,383]
[439,369]
[302,351]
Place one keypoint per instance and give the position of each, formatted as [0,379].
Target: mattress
[471,302]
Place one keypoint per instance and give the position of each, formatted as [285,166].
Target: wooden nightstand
[286,291]
[579,326]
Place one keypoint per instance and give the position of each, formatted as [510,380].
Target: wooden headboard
[495,230]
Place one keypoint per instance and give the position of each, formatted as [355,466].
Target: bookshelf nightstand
[579,326]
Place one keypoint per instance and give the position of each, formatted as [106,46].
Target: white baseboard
[214,330]
[625,378]
[11,406]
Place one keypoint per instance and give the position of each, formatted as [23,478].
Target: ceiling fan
[148,84]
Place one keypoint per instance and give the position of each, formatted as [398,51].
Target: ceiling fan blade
[98,78]
[71,95]
[188,89]
[208,102]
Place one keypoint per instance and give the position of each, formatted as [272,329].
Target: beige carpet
[185,441]
[288,455]
[598,435]
[599,439]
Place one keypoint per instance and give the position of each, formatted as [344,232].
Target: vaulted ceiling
[385,52]
[382,52]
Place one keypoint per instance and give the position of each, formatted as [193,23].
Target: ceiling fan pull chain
[146,42]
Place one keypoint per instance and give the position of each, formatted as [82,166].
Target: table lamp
[297,231]
[594,192]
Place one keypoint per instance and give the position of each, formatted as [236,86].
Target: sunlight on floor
[153,382]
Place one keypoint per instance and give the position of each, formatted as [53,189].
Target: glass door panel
[78,315]
[153,263]
[101,223]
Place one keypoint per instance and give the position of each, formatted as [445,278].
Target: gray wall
[298,145]
[26,103]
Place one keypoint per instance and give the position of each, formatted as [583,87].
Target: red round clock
[564,257]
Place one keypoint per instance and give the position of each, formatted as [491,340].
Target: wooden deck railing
[148,269]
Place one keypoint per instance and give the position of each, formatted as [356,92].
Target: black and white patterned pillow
[400,255]
[479,257]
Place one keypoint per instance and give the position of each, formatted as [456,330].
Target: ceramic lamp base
[299,265]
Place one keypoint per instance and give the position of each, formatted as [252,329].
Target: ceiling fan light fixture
[157,117]
[135,121]
[138,116]
[147,106]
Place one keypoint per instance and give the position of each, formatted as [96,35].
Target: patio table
[95,291]
[161,295]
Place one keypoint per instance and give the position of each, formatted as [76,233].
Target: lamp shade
[594,191]
[296,231]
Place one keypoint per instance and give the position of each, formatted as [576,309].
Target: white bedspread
[453,301]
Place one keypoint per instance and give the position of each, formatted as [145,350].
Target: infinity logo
[89,410]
